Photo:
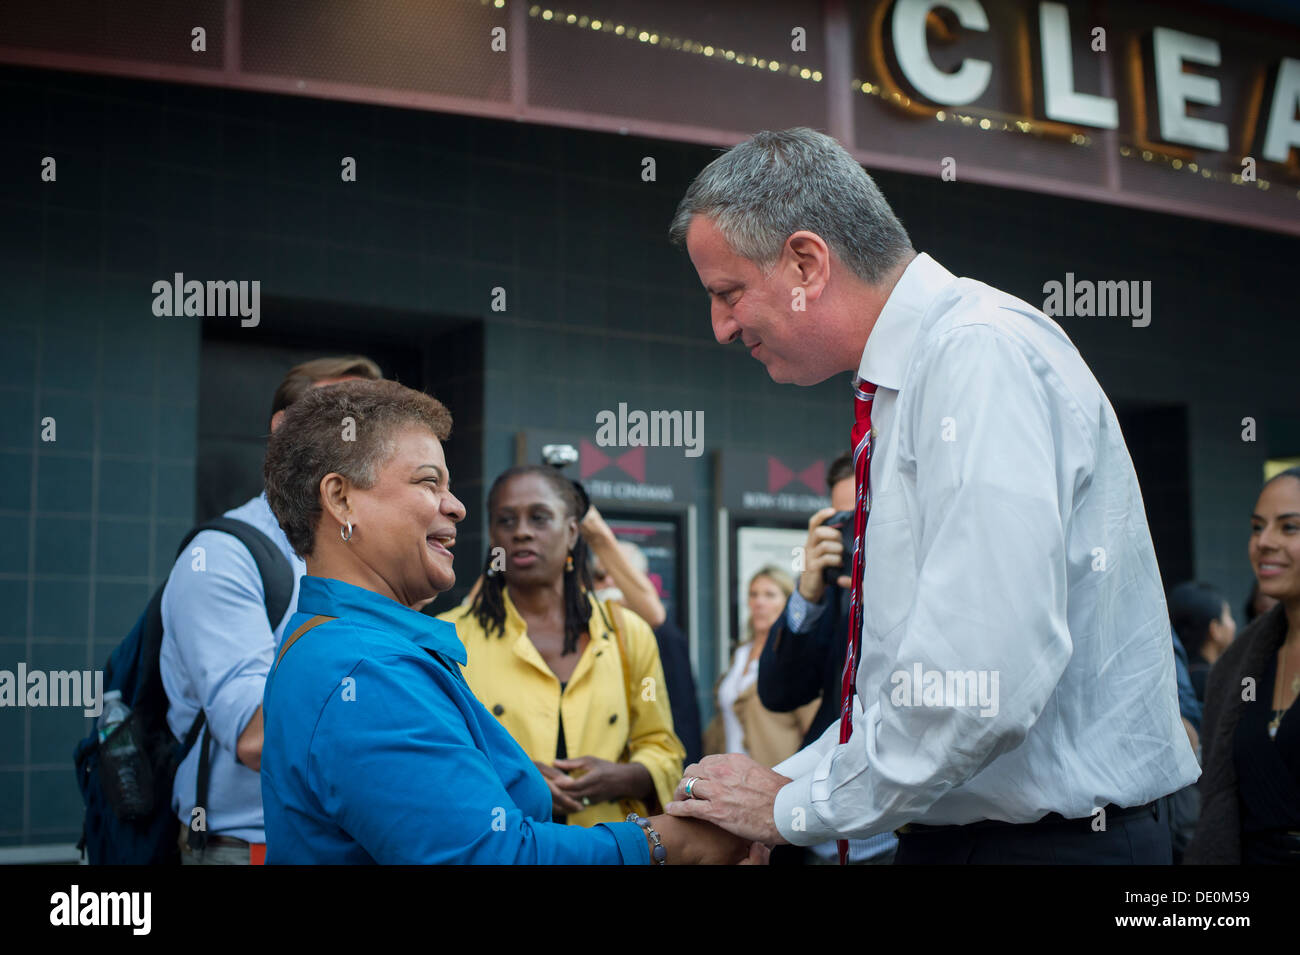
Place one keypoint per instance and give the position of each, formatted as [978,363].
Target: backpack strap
[192,736]
[198,839]
[276,572]
[277,590]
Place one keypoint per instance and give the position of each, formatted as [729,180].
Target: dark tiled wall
[89,519]
[157,179]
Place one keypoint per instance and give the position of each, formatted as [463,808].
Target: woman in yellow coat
[577,683]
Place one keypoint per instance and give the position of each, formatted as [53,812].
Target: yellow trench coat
[509,677]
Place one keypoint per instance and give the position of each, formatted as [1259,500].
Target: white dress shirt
[1007,543]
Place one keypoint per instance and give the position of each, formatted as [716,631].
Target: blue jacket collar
[335,598]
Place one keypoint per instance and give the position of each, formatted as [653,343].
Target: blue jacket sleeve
[408,774]
[792,666]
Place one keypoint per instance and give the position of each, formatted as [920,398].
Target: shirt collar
[890,340]
[335,598]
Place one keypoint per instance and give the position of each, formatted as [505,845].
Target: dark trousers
[1141,838]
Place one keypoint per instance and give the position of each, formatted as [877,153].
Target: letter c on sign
[970,80]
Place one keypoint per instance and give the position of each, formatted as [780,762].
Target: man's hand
[823,548]
[734,793]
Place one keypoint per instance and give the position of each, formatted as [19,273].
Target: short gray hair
[349,428]
[763,190]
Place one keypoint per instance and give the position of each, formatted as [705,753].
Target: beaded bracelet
[659,854]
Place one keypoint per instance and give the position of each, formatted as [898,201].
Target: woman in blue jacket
[375,749]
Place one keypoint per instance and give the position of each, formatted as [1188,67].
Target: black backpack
[150,838]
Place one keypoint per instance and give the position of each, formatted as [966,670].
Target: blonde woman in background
[742,724]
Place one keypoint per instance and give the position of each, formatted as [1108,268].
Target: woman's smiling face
[406,522]
[1275,539]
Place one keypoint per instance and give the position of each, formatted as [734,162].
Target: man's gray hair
[760,192]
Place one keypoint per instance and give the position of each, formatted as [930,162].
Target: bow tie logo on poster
[779,476]
[594,460]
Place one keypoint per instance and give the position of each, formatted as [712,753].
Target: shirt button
[498,710]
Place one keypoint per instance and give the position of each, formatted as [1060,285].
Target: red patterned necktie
[863,393]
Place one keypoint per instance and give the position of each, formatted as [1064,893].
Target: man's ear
[276,419]
[811,259]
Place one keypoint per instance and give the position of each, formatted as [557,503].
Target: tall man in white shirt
[1015,697]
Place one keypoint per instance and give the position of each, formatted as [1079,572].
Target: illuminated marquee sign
[1157,104]
[1182,65]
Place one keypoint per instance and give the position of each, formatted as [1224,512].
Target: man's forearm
[248,749]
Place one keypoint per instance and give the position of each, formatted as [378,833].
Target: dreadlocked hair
[489,605]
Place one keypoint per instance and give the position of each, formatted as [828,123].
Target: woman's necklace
[1278,713]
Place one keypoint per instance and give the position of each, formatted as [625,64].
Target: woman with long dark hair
[578,684]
